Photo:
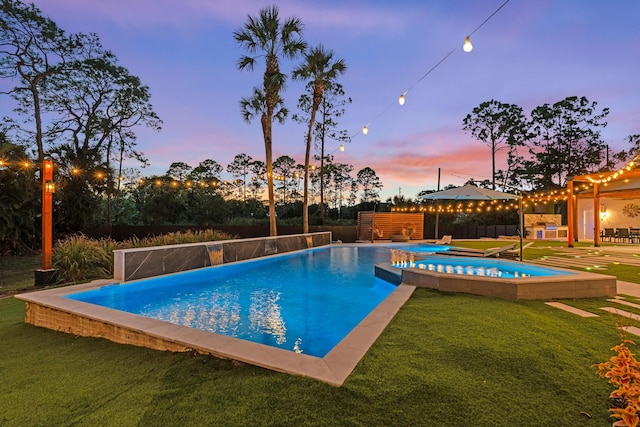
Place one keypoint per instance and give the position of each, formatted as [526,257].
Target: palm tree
[320,68]
[265,36]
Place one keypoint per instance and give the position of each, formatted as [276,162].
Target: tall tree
[321,69]
[265,36]
[331,109]
[32,49]
[342,183]
[206,174]
[284,168]
[205,204]
[98,105]
[499,126]
[179,171]
[240,168]
[258,171]
[566,140]
[370,185]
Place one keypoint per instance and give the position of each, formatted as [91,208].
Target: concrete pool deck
[50,309]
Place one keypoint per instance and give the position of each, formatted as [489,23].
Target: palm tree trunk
[307,154]
[266,129]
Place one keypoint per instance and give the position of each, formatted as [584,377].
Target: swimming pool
[304,302]
[494,277]
[53,309]
[485,267]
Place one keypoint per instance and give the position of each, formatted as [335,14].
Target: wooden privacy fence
[382,225]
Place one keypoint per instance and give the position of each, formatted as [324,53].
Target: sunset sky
[529,53]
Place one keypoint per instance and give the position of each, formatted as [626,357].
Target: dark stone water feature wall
[140,263]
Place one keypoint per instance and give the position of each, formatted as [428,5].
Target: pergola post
[47,275]
[570,214]
[596,215]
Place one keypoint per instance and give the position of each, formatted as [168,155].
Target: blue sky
[529,53]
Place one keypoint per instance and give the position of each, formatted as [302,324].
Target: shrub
[623,372]
[79,258]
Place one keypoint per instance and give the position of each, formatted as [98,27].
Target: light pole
[47,274]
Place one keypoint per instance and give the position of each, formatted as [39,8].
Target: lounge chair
[515,252]
[491,252]
[446,240]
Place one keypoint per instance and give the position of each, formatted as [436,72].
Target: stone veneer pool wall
[575,285]
[140,263]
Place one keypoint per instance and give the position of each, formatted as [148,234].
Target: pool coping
[50,309]
[576,284]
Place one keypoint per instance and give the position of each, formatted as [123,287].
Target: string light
[467,47]
[614,176]
[25,164]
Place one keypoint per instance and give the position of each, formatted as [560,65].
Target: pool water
[424,248]
[305,302]
[488,267]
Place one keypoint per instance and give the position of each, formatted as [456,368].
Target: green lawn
[445,360]
[16,273]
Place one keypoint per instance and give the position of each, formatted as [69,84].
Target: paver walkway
[624,288]
[592,258]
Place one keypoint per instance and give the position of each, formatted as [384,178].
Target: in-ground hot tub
[497,278]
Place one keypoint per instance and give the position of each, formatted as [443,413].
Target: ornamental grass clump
[79,258]
[623,372]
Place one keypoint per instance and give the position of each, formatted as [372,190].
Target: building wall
[614,213]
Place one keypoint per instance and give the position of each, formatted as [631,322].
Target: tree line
[199,195]
[557,141]
[75,104]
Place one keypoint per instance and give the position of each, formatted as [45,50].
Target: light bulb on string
[467,47]
[341,147]
[365,130]
[401,99]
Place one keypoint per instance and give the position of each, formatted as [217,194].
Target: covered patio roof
[621,184]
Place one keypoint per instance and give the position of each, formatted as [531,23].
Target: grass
[445,359]
[17,273]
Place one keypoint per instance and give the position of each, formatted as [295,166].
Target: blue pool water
[304,302]
[488,267]
[424,248]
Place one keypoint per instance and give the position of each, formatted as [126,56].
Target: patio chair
[622,234]
[609,234]
[445,240]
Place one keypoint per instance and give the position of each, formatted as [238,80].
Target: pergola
[620,184]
